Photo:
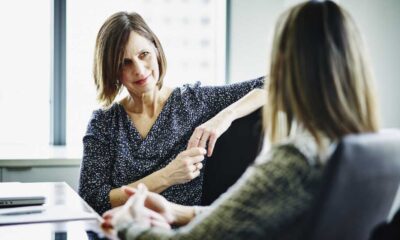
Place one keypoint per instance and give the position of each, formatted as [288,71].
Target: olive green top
[270,201]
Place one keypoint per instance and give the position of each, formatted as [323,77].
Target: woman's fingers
[150,214]
[110,213]
[195,138]
[195,174]
[106,225]
[140,195]
[194,153]
[107,214]
[204,139]
[211,144]
[161,224]
[152,218]
[135,202]
[129,190]
[192,168]
[197,159]
[135,211]
[198,165]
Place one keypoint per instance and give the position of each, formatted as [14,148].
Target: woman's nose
[139,68]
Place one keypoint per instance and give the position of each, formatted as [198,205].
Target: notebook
[16,194]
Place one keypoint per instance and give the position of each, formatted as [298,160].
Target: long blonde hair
[319,76]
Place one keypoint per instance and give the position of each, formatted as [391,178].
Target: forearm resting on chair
[246,105]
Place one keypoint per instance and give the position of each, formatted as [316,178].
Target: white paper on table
[34,214]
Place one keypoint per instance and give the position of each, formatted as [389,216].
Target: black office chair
[389,230]
[234,151]
[359,187]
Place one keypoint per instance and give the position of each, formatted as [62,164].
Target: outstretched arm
[207,133]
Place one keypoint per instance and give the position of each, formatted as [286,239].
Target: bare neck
[148,103]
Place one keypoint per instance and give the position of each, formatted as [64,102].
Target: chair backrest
[234,151]
[359,186]
[389,230]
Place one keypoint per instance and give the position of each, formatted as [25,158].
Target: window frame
[58,74]
[58,96]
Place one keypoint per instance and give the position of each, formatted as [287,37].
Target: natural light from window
[192,34]
[25,72]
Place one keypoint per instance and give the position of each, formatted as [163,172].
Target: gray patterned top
[115,154]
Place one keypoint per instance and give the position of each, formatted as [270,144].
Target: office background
[239,36]
[251,30]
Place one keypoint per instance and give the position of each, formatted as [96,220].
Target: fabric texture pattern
[115,154]
[271,200]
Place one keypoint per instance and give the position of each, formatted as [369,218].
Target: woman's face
[139,70]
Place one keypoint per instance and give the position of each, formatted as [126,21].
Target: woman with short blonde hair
[156,135]
[109,53]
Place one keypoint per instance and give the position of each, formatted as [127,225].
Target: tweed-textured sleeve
[267,201]
[95,172]
[217,98]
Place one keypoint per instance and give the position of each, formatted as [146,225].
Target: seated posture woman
[319,91]
[150,136]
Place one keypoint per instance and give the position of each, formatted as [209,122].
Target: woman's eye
[144,54]
[126,63]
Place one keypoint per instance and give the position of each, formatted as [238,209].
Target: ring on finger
[194,169]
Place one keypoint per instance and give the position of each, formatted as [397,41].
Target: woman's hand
[143,208]
[206,134]
[155,202]
[185,167]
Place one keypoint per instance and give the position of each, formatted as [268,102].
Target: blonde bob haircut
[319,77]
[109,52]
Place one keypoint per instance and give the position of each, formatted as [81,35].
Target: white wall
[379,21]
[252,25]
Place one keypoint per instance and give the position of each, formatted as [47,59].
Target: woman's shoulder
[303,144]
[283,154]
[189,88]
[285,165]
[107,111]
[186,94]
[106,114]
[102,120]
[197,91]
[294,155]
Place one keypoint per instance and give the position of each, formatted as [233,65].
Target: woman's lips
[142,81]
